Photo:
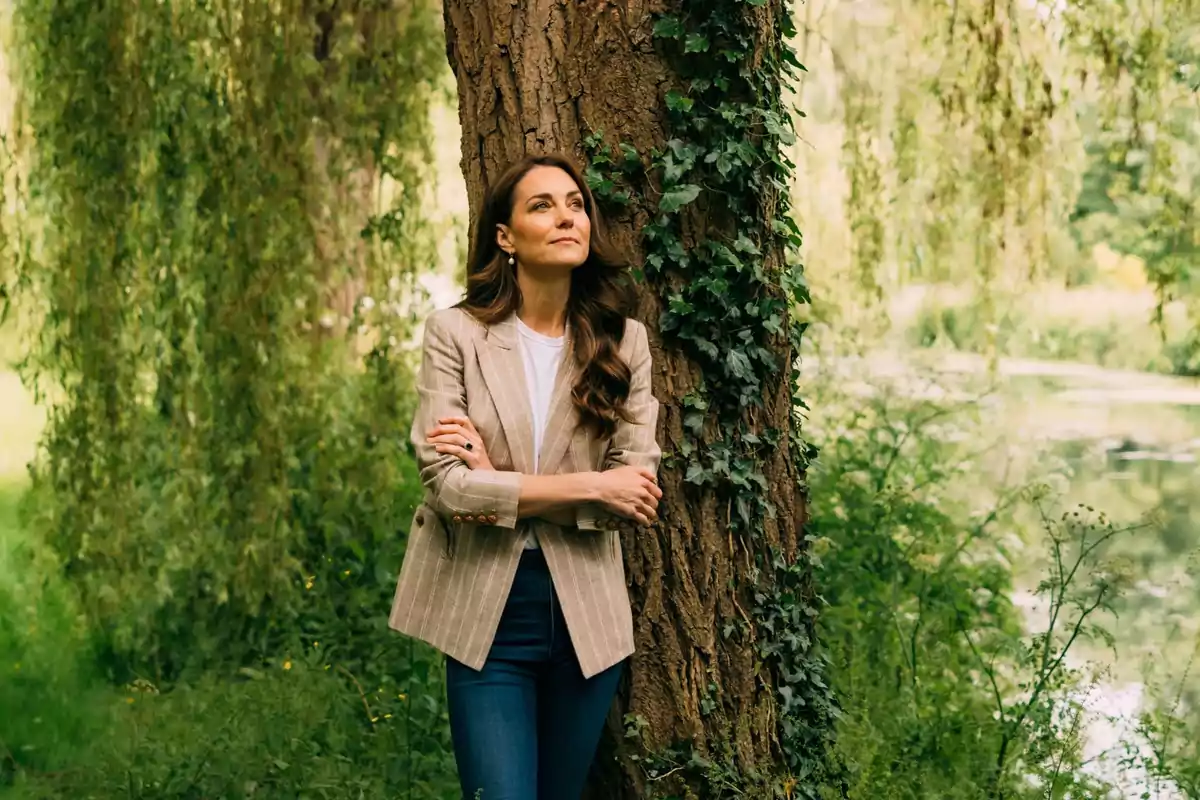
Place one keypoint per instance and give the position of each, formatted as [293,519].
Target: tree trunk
[545,75]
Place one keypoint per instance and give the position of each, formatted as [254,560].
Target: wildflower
[287,664]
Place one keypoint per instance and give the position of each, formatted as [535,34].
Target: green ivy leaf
[789,56]
[678,305]
[695,43]
[743,245]
[695,474]
[633,159]
[678,197]
[679,102]
[668,28]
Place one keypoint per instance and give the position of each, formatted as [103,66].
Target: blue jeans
[526,726]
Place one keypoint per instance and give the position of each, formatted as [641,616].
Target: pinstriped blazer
[466,541]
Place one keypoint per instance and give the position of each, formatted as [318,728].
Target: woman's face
[549,228]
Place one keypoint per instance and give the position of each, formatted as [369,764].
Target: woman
[535,434]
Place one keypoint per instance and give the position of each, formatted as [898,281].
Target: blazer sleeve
[634,443]
[456,492]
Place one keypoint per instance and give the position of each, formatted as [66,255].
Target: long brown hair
[597,306]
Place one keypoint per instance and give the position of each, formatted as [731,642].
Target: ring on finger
[469,445]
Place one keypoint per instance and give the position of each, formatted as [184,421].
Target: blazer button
[493,518]
[457,518]
[421,518]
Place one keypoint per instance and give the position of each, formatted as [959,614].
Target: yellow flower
[402,697]
[287,664]
[129,700]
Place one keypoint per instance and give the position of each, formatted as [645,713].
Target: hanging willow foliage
[201,175]
[976,138]
[1144,56]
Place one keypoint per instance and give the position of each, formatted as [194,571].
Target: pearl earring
[511,260]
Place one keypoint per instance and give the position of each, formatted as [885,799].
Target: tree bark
[542,75]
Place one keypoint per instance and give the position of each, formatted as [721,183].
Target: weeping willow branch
[204,181]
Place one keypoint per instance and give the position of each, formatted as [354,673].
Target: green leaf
[678,197]
[743,245]
[668,28]
[679,102]
[633,159]
[776,127]
[695,43]
[789,56]
[679,305]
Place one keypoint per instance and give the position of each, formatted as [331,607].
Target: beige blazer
[466,541]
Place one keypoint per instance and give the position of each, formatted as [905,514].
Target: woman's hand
[630,492]
[457,436]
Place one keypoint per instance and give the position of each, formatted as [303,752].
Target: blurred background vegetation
[223,223]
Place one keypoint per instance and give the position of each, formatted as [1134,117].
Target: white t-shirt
[541,355]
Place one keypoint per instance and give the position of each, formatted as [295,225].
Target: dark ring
[468,445]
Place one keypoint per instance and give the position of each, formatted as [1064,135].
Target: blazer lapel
[504,372]
[562,419]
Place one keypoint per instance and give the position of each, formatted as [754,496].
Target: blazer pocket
[428,523]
